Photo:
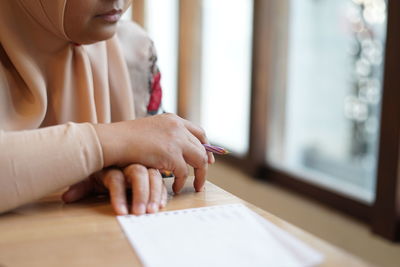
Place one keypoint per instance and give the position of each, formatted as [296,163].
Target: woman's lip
[111,16]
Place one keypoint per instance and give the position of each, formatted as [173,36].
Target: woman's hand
[163,142]
[148,190]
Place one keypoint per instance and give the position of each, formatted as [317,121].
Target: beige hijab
[46,80]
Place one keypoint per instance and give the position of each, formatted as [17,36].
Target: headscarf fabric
[46,79]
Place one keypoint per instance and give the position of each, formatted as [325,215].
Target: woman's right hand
[164,142]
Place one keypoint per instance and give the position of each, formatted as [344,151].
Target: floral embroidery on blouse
[154,104]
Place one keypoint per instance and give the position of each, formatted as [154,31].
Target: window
[304,92]
[332,99]
[226,72]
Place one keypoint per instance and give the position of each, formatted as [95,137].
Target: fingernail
[163,204]
[123,209]
[211,158]
[175,188]
[153,207]
[201,189]
[139,209]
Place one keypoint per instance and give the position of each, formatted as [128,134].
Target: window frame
[270,42]
[386,209]
[384,214]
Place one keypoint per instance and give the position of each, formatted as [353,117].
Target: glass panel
[226,69]
[332,103]
[162,25]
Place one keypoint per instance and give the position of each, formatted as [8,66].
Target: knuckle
[202,162]
[171,115]
[114,175]
[183,172]
[166,116]
[164,165]
[175,123]
[154,172]
[205,159]
[202,132]
[134,169]
[173,120]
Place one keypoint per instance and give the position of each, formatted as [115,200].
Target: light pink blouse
[41,154]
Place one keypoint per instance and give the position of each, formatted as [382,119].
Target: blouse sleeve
[141,58]
[34,163]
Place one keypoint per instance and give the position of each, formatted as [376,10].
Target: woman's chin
[104,33]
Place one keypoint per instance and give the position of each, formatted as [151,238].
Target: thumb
[77,191]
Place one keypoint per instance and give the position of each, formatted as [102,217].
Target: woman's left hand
[149,193]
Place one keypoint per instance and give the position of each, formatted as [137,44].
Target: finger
[200,178]
[194,152]
[211,158]
[77,191]
[181,173]
[200,134]
[164,197]
[139,178]
[156,186]
[200,165]
[194,157]
[114,181]
[196,131]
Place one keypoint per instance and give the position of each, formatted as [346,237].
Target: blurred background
[294,89]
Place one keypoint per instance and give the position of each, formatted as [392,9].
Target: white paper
[225,235]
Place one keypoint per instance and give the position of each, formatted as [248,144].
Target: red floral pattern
[155,94]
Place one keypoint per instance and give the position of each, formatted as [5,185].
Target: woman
[73,84]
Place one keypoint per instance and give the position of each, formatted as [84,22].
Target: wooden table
[50,233]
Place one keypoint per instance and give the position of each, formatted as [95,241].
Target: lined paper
[224,235]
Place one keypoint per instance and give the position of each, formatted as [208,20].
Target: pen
[210,148]
[216,149]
